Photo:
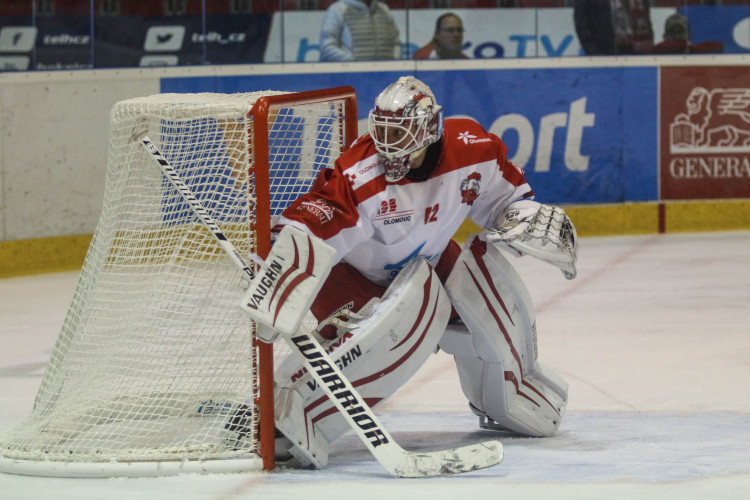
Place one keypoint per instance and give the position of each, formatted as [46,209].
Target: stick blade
[453,461]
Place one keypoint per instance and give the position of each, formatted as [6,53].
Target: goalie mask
[405,120]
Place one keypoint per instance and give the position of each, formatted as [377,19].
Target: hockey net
[155,356]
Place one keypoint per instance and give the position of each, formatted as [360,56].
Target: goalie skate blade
[453,461]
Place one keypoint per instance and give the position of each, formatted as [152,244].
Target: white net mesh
[155,355]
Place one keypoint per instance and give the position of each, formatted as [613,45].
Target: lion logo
[716,120]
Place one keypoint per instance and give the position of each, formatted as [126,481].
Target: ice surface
[653,337]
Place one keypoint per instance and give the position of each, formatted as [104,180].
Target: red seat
[140,8]
[478,4]
[194,7]
[529,4]
[15,8]
[71,8]
[273,5]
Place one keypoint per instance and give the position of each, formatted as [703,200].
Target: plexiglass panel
[75,34]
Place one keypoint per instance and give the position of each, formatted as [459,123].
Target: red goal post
[155,356]
[263,111]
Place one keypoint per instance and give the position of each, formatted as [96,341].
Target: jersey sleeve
[329,211]
[507,185]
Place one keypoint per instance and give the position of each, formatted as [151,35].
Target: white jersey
[377,226]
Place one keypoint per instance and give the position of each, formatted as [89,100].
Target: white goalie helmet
[405,120]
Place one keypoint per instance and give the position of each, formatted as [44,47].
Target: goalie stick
[358,414]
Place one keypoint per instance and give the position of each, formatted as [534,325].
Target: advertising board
[568,128]
[705,132]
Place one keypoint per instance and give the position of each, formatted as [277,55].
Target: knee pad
[388,346]
[496,349]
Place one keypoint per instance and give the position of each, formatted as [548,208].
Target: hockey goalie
[394,288]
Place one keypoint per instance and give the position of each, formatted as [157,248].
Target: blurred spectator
[359,30]
[613,27]
[676,28]
[447,41]
[677,39]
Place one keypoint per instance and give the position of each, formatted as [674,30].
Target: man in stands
[359,30]
[677,39]
[447,41]
[400,288]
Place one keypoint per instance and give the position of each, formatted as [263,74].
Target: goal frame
[264,107]
[257,165]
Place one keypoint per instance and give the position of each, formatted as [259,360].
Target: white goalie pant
[379,356]
[496,350]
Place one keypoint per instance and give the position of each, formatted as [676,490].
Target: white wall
[53,147]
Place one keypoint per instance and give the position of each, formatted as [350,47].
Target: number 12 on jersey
[430,213]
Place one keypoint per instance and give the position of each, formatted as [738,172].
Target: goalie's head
[405,120]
